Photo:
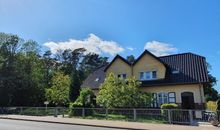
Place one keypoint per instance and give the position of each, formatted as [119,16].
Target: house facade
[171,79]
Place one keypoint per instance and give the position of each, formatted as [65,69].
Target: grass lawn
[125,118]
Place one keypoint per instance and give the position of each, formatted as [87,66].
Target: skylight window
[97,79]
[175,71]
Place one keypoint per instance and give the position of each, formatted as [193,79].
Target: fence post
[63,109]
[135,115]
[36,110]
[169,115]
[21,110]
[190,117]
[83,112]
[106,113]
[55,112]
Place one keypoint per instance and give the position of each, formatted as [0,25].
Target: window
[149,75]
[97,79]
[141,75]
[162,98]
[154,102]
[154,74]
[172,97]
[175,71]
[124,76]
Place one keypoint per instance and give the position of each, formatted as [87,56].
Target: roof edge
[116,57]
[148,52]
[181,54]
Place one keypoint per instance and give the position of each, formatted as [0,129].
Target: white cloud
[130,48]
[160,48]
[92,44]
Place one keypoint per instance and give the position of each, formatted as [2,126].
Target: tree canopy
[211,94]
[26,71]
[58,93]
[117,92]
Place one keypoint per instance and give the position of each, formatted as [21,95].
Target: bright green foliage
[169,106]
[58,94]
[117,92]
[86,98]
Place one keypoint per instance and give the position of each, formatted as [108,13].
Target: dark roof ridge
[181,54]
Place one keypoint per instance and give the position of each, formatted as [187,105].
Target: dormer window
[176,71]
[149,75]
[124,76]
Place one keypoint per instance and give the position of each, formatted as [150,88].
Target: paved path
[30,125]
[112,124]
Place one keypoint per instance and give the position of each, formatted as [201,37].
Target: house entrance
[187,100]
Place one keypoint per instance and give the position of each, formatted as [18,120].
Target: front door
[187,100]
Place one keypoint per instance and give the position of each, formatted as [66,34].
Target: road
[29,125]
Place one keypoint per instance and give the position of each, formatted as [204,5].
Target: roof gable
[148,53]
[117,57]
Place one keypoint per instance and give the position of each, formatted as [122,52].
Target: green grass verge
[124,118]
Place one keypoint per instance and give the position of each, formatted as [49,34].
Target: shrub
[169,106]
[85,99]
[211,105]
[73,111]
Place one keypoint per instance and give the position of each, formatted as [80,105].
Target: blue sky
[119,26]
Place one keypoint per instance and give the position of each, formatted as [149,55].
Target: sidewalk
[107,123]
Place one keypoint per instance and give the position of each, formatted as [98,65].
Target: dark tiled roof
[191,69]
[95,79]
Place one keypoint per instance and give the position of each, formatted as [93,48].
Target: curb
[57,122]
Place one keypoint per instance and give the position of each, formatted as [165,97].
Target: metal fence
[171,116]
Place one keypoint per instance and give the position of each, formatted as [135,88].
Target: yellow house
[171,79]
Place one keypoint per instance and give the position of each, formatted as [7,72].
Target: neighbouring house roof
[185,68]
[95,79]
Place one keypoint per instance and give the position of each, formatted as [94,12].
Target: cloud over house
[92,44]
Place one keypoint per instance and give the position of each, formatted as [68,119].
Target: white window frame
[145,75]
[164,98]
[154,102]
[172,97]
[122,76]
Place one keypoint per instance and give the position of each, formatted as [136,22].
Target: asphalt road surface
[29,125]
